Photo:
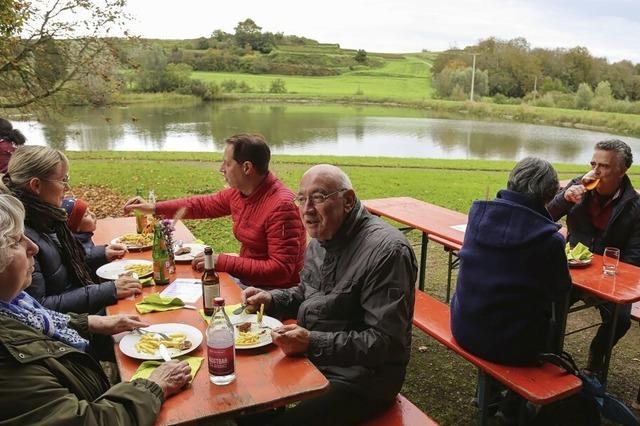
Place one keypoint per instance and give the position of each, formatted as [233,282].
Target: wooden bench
[539,385]
[401,413]
[452,248]
[635,311]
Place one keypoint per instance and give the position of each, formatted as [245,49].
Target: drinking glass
[590,181]
[610,260]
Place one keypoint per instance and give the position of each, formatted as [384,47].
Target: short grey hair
[536,178]
[336,173]
[625,156]
[11,226]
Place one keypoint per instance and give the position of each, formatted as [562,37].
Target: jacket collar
[261,189]
[350,224]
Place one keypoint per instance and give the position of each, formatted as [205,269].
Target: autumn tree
[46,46]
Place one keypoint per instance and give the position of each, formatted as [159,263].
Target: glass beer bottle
[221,347]
[141,218]
[160,257]
[210,282]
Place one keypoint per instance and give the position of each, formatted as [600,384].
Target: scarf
[28,311]
[45,218]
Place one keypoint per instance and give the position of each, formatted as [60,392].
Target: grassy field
[405,79]
[439,382]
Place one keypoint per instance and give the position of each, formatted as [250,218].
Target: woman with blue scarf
[47,375]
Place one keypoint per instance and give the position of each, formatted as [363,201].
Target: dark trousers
[338,406]
[599,344]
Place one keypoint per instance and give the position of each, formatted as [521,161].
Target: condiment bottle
[221,347]
[160,257]
[141,218]
[210,282]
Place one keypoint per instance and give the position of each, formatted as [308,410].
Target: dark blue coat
[512,268]
[95,255]
[56,288]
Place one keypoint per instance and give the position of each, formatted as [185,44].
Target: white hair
[11,226]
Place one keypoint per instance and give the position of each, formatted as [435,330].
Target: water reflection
[309,129]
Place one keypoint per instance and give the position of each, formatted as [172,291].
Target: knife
[239,310]
[164,352]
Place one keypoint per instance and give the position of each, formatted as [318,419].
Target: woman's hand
[115,251]
[171,376]
[254,297]
[127,286]
[113,324]
[138,203]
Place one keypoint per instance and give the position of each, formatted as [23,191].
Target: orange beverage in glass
[590,181]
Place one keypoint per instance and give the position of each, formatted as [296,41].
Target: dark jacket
[622,231]
[512,269]
[45,382]
[356,296]
[53,286]
[95,255]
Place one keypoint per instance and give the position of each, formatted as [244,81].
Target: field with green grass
[437,381]
[407,79]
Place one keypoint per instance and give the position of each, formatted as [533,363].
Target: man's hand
[574,193]
[115,251]
[138,203]
[113,324]
[254,297]
[292,339]
[198,261]
[171,376]
[127,286]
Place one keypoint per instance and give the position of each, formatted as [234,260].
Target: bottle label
[210,292]
[160,272]
[221,360]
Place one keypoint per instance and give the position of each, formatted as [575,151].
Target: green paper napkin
[147,367]
[147,282]
[156,303]
[228,309]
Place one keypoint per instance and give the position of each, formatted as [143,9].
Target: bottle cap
[208,250]
[218,301]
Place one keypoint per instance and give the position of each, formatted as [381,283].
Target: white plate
[111,271]
[265,338]
[188,257]
[130,246]
[128,342]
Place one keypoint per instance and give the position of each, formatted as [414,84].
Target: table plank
[266,378]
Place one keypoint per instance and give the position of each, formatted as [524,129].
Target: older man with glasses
[353,306]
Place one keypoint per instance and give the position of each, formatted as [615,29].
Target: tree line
[515,70]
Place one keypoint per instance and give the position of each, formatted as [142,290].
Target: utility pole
[535,88]
[473,75]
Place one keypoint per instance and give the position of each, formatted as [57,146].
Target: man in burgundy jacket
[265,219]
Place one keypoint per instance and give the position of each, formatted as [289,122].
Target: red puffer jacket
[267,224]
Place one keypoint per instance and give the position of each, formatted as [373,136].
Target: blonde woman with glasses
[39,177]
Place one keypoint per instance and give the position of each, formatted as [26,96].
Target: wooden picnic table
[622,288]
[428,218]
[265,377]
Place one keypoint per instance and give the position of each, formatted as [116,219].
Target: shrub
[243,87]
[277,86]
[584,96]
[229,85]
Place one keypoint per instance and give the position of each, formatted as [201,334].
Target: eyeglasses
[316,198]
[64,181]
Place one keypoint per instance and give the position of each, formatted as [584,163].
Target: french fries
[150,342]
[139,268]
[246,338]
[136,240]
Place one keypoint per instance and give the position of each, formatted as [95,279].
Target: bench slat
[540,385]
[401,413]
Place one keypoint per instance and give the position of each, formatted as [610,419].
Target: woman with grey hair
[46,372]
[513,269]
[513,274]
[39,177]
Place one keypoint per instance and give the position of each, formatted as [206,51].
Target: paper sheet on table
[461,228]
[187,289]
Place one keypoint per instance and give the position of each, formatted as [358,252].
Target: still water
[310,129]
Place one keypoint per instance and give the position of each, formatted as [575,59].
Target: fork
[143,331]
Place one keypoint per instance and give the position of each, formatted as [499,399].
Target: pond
[310,129]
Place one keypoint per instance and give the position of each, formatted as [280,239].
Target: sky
[608,29]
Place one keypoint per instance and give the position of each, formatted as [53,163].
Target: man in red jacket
[265,219]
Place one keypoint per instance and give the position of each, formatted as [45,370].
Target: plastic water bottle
[221,346]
